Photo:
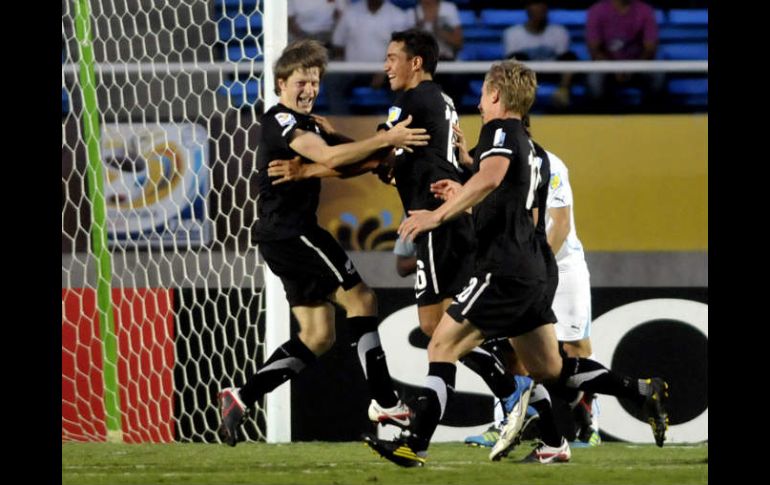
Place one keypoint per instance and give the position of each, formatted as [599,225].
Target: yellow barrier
[640,182]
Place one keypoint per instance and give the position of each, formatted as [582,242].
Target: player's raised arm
[313,147]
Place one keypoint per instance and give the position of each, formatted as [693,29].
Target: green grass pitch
[353,463]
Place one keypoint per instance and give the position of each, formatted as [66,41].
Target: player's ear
[417,63]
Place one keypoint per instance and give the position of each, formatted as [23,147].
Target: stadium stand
[683,36]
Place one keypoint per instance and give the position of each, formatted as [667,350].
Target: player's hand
[419,221]
[445,189]
[402,137]
[324,124]
[462,145]
[384,172]
[286,170]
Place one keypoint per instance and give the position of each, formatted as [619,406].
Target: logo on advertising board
[156,183]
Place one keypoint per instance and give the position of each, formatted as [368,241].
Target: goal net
[163,299]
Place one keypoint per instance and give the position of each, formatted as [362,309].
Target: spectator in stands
[623,30]
[362,35]
[314,19]
[538,40]
[442,20]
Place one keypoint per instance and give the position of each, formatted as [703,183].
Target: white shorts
[572,305]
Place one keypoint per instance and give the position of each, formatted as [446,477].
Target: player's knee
[360,301]
[439,351]
[319,341]
[579,348]
[428,327]
[546,370]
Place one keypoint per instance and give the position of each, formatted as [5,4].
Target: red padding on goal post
[145,322]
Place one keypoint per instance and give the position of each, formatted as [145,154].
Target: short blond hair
[299,55]
[517,85]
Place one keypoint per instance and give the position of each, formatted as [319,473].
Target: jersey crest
[285,119]
[555,181]
[393,113]
[499,138]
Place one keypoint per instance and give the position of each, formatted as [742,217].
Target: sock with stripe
[541,401]
[365,340]
[285,363]
[500,381]
[439,387]
[590,376]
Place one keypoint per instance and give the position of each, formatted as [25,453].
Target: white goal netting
[176,97]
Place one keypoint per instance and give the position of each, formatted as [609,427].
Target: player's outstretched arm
[313,147]
[293,170]
[481,184]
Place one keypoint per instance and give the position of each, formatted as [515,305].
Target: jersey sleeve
[494,140]
[559,190]
[289,123]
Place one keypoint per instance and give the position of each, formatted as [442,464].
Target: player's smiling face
[300,90]
[397,67]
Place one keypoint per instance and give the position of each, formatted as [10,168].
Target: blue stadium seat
[467,18]
[691,17]
[668,34]
[404,4]
[660,17]
[481,34]
[581,51]
[233,7]
[369,97]
[65,102]
[689,86]
[568,18]
[699,51]
[237,51]
[545,92]
[689,91]
[240,93]
[502,18]
[475,87]
[239,27]
[481,51]
[237,3]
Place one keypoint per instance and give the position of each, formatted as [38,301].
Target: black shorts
[445,258]
[311,266]
[503,306]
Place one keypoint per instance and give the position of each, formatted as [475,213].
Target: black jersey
[507,245]
[541,197]
[541,194]
[414,172]
[289,209]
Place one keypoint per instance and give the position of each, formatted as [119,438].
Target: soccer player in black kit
[508,294]
[443,265]
[313,267]
[444,255]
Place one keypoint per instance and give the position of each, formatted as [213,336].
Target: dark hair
[419,43]
[301,54]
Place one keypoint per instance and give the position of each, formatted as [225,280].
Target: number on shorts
[420,280]
[468,290]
